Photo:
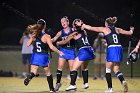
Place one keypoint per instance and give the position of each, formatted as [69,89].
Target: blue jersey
[114,50]
[39,46]
[85,51]
[40,55]
[113,37]
[69,48]
[83,40]
[64,35]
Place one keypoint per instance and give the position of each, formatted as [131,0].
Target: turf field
[11,61]
[39,85]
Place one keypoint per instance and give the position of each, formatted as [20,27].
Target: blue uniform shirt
[114,50]
[40,55]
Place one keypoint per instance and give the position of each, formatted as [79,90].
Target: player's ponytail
[111,21]
[34,29]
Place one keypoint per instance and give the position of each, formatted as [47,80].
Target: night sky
[15,15]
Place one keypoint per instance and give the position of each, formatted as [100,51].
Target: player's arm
[56,37]
[71,36]
[137,47]
[91,28]
[47,39]
[130,32]
[88,27]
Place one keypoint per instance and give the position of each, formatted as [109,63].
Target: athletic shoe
[52,91]
[110,90]
[71,88]
[26,81]
[125,87]
[58,85]
[86,86]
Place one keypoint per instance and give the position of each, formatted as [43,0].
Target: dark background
[92,12]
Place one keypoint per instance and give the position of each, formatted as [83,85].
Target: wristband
[137,46]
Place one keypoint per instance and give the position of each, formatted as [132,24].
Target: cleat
[37,75]
[26,81]
[52,91]
[125,86]
[71,88]
[86,86]
[29,77]
[110,90]
[58,85]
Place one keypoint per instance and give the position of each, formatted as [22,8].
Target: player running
[41,43]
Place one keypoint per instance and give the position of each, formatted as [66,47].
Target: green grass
[40,85]
[11,61]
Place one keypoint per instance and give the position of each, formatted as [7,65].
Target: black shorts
[26,58]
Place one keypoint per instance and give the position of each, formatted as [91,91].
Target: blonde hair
[111,21]
[73,23]
[34,29]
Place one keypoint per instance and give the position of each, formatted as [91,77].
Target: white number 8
[115,38]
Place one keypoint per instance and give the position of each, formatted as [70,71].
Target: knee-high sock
[73,75]
[85,75]
[59,75]
[31,75]
[109,80]
[50,81]
[120,76]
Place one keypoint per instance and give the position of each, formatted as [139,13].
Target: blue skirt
[40,59]
[114,54]
[69,54]
[86,53]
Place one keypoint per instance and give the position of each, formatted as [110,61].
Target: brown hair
[111,21]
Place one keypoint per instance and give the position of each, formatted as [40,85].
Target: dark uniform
[85,51]
[114,50]
[69,48]
[40,55]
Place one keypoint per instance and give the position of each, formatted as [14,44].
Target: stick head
[133,57]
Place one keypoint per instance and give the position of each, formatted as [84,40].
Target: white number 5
[38,46]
